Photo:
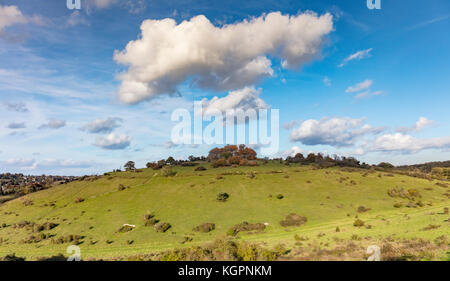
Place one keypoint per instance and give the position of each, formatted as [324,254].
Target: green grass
[189,199]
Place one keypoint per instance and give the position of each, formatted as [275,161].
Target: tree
[129,166]
[170,160]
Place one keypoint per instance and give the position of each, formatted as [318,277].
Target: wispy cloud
[356,56]
[428,22]
[359,87]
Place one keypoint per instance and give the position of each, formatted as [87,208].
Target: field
[332,200]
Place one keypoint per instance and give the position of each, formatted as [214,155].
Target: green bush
[205,227]
[162,226]
[222,196]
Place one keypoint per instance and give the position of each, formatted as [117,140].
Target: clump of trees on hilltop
[232,155]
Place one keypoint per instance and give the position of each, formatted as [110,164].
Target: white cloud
[53,124]
[356,56]
[10,15]
[368,94]
[290,125]
[76,18]
[169,144]
[243,99]
[338,132]
[403,143]
[291,152]
[113,142]
[99,126]
[421,124]
[219,58]
[327,81]
[360,86]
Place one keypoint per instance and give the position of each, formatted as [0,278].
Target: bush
[168,172]
[252,163]
[362,209]
[125,228]
[235,160]
[206,227]
[79,200]
[200,168]
[293,219]
[162,226]
[222,196]
[121,187]
[245,226]
[220,163]
[154,166]
[280,196]
[358,223]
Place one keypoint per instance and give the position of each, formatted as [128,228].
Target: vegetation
[327,212]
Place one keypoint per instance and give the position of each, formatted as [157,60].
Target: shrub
[358,223]
[121,187]
[362,209]
[162,226]
[151,222]
[245,226]
[243,162]
[398,205]
[293,219]
[28,202]
[251,175]
[168,172]
[125,228]
[205,227]
[235,160]
[154,166]
[79,200]
[252,163]
[222,196]
[220,163]
[200,168]
[280,196]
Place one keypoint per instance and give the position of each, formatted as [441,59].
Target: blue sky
[370,83]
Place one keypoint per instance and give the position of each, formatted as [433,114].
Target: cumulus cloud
[16,125]
[404,143]
[356,56]
[217,58]
[360,86]
[53,124]
[113,142]
[338,132]
[99,126]
[290,125]
[18,107]
[243,99]
[10,15]
[421,124]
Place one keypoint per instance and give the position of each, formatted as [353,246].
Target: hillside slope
[329,199]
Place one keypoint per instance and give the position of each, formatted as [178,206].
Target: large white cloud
[338,132]
[219,58]
[243,99]
[113,142]
[404,143]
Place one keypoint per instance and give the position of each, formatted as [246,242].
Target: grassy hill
[331,200]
